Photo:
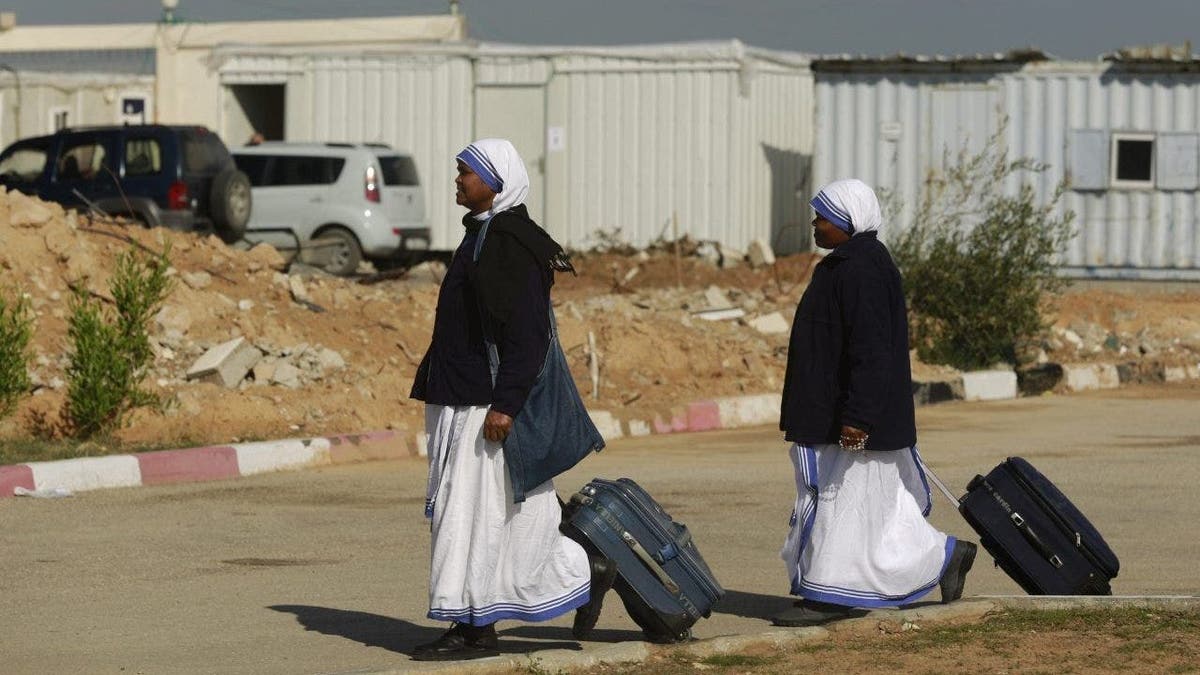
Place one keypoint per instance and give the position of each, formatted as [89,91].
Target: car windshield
[398,170]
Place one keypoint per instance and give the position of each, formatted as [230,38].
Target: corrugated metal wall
[890,129]
[421,104]
[704,144]
[716,142]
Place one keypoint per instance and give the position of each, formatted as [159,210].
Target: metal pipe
[17,113]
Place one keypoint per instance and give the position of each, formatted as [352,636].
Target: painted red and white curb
[202,464]
[245,459]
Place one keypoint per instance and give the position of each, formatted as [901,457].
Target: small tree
[16,329]
[979,264]
[111,350]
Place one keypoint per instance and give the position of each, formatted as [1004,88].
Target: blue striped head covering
[849,204]
[475,158]
[500,167]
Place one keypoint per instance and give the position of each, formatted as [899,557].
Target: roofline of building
[727,50]
[359,30]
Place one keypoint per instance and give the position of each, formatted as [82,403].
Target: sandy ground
[653,348]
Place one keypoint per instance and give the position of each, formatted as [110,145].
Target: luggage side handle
[1022,525]
[672,549]
[644,555]
[1034,540]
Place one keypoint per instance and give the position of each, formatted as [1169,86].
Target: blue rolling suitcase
[661,577]
[1035,534]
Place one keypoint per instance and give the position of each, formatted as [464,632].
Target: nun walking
[859,537]
[503,417]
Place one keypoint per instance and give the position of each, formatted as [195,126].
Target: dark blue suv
[181,177]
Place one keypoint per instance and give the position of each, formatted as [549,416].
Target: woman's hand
[852,439]
[496,426]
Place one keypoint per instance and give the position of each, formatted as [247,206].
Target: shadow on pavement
[371,630]
[753,605]
[564,634]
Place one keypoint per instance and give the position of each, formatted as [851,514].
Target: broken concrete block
[330,359]
[989,385]
[298,290]
[770,323]
[226,364]
[715,298]
[718,314]
[286,375]
[759,253]
[264,370]
[197,280]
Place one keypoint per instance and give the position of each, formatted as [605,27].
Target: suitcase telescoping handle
[940,485]
[630,541]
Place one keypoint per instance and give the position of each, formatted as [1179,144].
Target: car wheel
[341,251]
[229,204]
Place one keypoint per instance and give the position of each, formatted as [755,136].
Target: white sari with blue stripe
[858,535]
[493,559]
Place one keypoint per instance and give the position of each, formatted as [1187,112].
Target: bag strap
[493,351]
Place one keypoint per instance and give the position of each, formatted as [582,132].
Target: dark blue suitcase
[1035,534]
[661,577]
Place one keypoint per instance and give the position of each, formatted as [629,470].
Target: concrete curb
[974,609]
[202,464]
[731,412]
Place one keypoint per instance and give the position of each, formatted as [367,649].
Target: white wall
[890,127]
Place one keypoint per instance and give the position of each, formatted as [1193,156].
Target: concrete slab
[989,385]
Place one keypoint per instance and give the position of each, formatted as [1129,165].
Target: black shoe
[604,573]
[812,613]
[955,577]
[461,642]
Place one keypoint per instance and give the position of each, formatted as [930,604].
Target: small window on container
[1132,161]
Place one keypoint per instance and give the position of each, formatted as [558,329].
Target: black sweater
[848,355]
[507,295]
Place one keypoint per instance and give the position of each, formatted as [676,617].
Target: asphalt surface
[326,570]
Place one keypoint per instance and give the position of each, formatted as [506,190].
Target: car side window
[23,165]
[255,168]
[80,161]
[143,157]
[398,170]
[300,170]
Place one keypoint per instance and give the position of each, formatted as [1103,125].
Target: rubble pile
[247,347]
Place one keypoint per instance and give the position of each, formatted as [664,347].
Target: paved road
[325,570]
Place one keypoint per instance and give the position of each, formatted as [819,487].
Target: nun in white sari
[492,558]
[858,537]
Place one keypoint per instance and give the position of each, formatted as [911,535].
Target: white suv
[360,200]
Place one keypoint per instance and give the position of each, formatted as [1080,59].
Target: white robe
[493,559]
[858,535]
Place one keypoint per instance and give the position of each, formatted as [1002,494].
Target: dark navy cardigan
[455,368]
[848,355]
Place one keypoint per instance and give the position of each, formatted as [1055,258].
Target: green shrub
[16,329]
[979,262]
[110,351]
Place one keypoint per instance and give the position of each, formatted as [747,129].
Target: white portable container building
[1124,133]
[622,143]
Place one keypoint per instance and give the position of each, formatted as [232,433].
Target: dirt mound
[355,345]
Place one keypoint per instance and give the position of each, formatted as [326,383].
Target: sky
[1070,29]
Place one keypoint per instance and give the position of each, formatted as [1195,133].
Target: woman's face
[471,191]
[828,235]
